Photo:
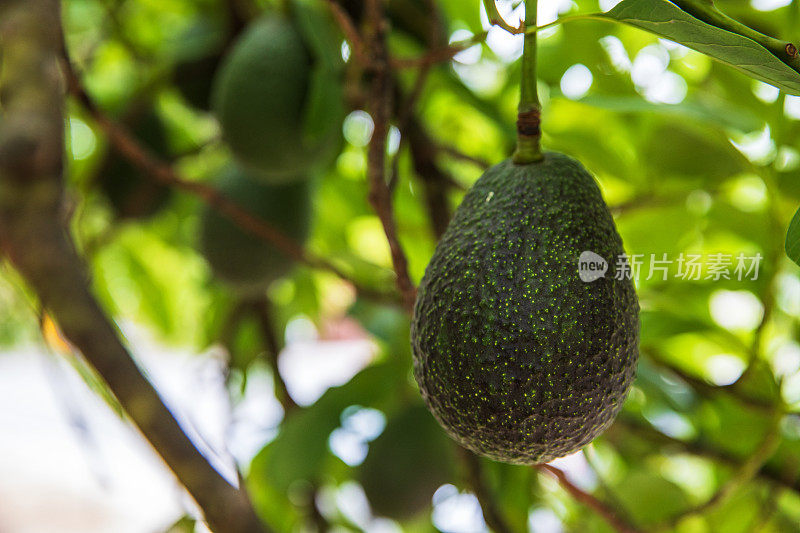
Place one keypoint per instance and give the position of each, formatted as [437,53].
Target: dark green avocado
[279,94]
[242,260]
[406,464]
[518,358]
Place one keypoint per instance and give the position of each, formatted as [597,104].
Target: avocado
[406,464]
[519,359]
[131,194]
[279,94]
[245,262]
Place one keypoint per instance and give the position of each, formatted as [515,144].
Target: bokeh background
[691,156]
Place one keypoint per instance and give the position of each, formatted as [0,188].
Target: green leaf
[301,448]
[666,20]
[793,239]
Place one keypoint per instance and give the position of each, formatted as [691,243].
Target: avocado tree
[572,233]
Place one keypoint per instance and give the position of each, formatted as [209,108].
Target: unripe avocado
[245,262]
[518,358]
[131,194]
[406,464]
[278,95]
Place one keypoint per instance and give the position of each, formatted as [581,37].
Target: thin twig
[477,482]
[380,100]
[455,153]
[435,180]
[127,145]
[439,55]
[351,34]
[702,387]
[786,475]
[746,472]
[262,309]
[588,500]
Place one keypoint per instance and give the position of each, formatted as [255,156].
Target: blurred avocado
[406,464]
[132,194]
[242,260]
[279,96]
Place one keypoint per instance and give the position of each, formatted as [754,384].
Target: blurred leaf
[667,20]
[649,498]
[185,524]
[700,111]
[298,452]
[683,151]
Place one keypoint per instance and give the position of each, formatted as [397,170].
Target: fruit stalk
[528,119]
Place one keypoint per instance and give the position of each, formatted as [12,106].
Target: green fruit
[279,95]
[247,263]
[518,358]
[406,464]
[131,193]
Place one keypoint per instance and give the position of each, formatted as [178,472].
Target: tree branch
[380,104]
[272,343]
[588,500]
[160,171]
[435,181]
[477,482]
[744,473]
[34,236]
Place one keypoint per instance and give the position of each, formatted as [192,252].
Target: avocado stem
[528,130]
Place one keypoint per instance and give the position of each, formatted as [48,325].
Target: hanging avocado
[518,358]
[242,260]
[278,94]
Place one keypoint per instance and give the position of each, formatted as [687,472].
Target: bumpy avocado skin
[262,94]
[242,260]
[518,359]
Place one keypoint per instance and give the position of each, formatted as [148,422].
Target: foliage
[692,156]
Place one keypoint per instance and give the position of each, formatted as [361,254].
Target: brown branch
[160,171]
[440,55]
[261,308]
[34,236]
[380,100]
[350,32]
[435,180]
[477,483]
[608,514]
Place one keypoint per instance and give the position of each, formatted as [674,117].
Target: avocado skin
[261,95]
[518,359]
[406,464]
[245,262]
